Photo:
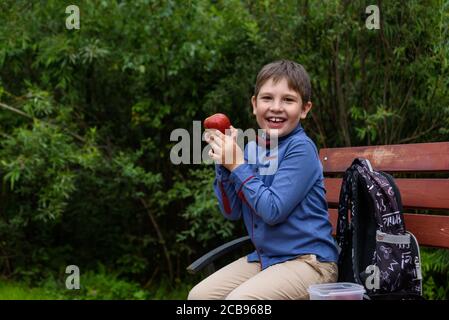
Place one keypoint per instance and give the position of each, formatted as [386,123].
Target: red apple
[217,121]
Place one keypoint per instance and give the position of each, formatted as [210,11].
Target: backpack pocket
[396,260]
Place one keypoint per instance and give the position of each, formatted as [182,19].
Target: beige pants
[241,280]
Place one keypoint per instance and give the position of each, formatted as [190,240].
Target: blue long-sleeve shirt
[285,213]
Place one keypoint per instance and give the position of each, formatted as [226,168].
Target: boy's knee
[195,294]
[240,295]
[200,292]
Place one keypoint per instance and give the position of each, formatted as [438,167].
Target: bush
[435,268]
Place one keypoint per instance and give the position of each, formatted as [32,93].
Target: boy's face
[278,109]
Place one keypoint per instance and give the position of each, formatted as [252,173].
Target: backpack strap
[382,191]
[346,235]
[343,207]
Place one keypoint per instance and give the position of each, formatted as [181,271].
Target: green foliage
[14,291]
[86,117]
[373,122]
[39,166]
[204,222]
[435,268]
[98,285]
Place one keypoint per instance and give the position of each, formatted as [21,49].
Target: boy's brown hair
[297,77]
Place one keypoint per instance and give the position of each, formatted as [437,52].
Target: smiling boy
[285,213]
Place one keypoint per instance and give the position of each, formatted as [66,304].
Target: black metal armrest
[216,253]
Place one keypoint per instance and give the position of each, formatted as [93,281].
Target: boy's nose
[276,105]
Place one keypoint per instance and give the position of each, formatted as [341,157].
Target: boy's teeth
[276,119]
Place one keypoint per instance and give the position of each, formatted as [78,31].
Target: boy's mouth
[275,119]
[275,122]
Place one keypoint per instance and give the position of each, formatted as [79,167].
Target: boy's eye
[266,98]
[289,100]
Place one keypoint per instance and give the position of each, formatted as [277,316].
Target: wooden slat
[333,217]
[415,193]
[430,230]
[419,157]
[424,193]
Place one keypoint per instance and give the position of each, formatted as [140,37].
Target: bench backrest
[418,193]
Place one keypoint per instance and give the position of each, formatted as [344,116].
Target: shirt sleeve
[295,176]
[230,204]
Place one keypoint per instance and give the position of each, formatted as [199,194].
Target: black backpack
[376,250]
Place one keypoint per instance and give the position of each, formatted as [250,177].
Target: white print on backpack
[391,219]
[386,251]
[382,183]
[406,258]
[381,207]
[385,276]
[418,268]
[390,191]
[392,264]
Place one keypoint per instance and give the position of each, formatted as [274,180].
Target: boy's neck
[295,130]
[265,138]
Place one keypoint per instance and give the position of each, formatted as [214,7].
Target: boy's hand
[225,149]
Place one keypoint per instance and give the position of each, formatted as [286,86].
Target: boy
[285,213]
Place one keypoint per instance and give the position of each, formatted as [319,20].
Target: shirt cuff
[221,173]
[241,175]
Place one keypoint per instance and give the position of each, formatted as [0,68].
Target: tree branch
[20,112]
[417,135]
[160,237]
[396,131]
[5,106]
[342,116]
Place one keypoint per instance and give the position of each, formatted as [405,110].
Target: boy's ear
[305,109]
[253,102]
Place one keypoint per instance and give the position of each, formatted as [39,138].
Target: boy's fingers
[213,156]
[210,137]
[207,136]
[218,134]
[214,145]
[211,133]
[228,132]
[218,137]
[234,133]
[212,153]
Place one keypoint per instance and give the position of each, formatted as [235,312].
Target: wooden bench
[418,193]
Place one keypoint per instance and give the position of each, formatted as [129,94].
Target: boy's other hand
[225,149]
